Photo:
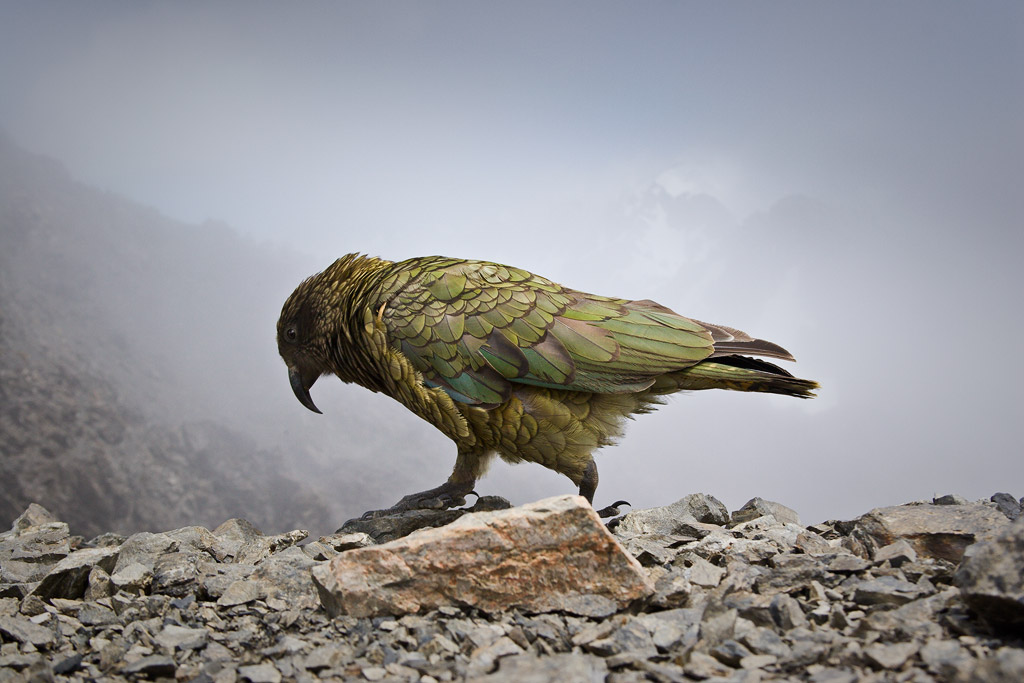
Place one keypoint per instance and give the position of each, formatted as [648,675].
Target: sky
[843,179]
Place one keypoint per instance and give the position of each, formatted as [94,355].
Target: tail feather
[737,373]
[729,340]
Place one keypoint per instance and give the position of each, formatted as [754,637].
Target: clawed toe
[612,510]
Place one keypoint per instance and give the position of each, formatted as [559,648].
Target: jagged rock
[239,593]
[991,577]
[34,515]
[674,519]
[565,668]
[70,576]
[133,577]
[26,631]
[938,531]
[759,507]
[264,546]
[174,637]
[1007,504]
[153,667]
[786,612]
[890,655]
[1006,665]
[945,658]
[885,590]
[144,548]
[562,551]
[896,554]
[950,499]
[283,578]
[673,629]
[232,535]
[758,601]
[175,574]
[261,673]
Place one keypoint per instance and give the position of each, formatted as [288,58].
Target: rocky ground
[921,592]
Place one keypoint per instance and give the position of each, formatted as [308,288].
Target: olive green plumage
[506,362]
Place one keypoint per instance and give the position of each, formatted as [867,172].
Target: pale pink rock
[551,555]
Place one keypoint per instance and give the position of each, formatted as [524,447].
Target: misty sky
[845,180]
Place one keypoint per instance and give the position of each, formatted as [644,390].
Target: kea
[508,363]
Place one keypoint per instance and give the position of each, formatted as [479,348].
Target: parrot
[507,363]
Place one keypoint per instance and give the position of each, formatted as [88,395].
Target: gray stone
[1007,504]
[133,577]
[758,661]
[786,612]
[70,576]
[153,666]
[672,589]
[759,507]
[945,658]
[730,652]
[174,637]
[897,553]
[702,666]
[342,542]
[144,548]
[991,578]
[175,573]
[936,531]
[703,573]
[283,578]
[950,499]
[327,657]
[263,547]
[890,655]
[26,631]
[564,668]
[885,590]
[633,636]
[99,585]
[674,518]
[239,593]
[231,536]
[765,641]
[260,673]
[673,629]
[484,659]
[34,515]
[1005,665]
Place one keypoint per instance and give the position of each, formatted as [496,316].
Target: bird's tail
[738,373]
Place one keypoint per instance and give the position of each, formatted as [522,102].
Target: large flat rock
[937,531]
[552,555]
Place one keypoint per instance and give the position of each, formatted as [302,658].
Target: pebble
[748,597]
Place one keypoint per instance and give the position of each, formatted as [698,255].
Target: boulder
[936,531]
[551,555]
[675,518]
[991,577]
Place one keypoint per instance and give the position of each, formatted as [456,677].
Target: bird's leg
[588,487]
[450,494]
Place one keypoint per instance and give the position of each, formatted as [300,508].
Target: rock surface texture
[553,555]
[537,593]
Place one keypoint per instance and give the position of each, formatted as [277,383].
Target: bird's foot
[612,510]
[447,495]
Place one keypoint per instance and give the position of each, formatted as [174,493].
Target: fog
[843,180]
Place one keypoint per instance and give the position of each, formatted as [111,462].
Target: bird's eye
[291,334]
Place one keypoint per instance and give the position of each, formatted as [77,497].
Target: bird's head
[302,339]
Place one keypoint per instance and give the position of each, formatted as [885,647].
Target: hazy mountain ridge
[97,419]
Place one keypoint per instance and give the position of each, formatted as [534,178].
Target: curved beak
[301,386]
